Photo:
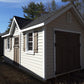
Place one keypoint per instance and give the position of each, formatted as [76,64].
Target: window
[8,43]
[29,42]
[16,40]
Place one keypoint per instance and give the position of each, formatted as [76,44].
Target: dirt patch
[12,75]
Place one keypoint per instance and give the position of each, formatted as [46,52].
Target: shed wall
[34,62]
[8,53]
[61,24]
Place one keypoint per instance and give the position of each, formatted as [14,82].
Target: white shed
[49,46]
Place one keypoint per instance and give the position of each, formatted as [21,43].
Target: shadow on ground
[12,75]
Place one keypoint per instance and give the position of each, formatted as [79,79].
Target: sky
[10,8]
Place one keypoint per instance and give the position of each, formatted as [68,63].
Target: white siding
[8,53]
[16,32]
[34,62]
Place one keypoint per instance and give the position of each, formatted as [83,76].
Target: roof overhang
[12,25]
[33,27]
[27,29]
[79,16]
[69,6]
[5,35]
[11,28]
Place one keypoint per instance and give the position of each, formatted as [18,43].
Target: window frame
[8,43]
[26,42]
[15,42]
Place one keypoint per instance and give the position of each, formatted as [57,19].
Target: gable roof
[47,16]
[22,21]
[26,24]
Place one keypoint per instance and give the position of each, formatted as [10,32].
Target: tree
[8,29]
[41,9]
[48,6]
[32,10]
[53,5]
[10,22]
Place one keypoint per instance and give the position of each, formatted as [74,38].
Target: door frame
[14,48]
[58,29]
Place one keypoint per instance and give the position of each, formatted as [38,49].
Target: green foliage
[53,5]
[33,10]
[48,6]
[8,29]
[10,22]
[78,5]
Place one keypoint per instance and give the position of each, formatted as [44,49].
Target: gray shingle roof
[25,23]
[38,20]
[22,21]
[44,17]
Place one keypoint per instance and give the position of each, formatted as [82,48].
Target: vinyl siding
[16,32]
[60,24]
[8,53]
[34,62]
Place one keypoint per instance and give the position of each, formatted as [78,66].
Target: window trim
[26,42]
[15,40]
[8,49]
